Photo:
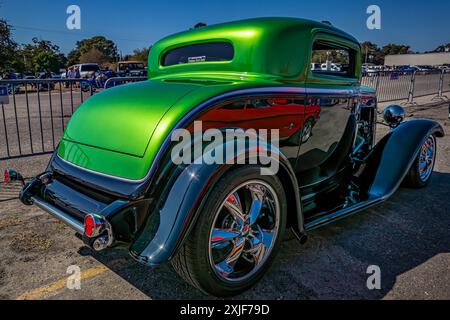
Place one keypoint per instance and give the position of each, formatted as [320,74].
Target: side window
[333,59]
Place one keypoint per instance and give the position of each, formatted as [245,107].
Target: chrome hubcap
[244,231]
[426,159]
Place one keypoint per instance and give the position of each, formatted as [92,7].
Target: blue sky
[138,23]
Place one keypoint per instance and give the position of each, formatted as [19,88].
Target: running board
[343,213]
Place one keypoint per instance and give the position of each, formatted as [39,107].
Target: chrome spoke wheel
[426,159]
[244,231]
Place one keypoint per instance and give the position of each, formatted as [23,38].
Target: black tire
[192,262]
[413,179]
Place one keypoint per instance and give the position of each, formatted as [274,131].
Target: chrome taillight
[94,225]
[98,232]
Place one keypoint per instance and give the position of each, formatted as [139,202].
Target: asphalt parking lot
[407,237]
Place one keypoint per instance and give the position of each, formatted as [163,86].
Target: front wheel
[237,235]
[422,169]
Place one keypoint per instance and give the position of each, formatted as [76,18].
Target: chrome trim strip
[59,214]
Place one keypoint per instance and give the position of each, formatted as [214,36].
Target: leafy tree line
[371,53]
[44,56]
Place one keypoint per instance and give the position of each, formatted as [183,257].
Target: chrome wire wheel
[427,158]
[244,231]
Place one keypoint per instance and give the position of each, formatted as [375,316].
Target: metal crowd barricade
[36,114]
[398,85]
[113,82]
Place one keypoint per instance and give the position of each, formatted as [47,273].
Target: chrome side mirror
[394,115]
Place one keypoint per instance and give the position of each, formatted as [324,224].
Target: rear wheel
[422,169]
[237,235]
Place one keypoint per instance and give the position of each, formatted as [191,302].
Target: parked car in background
[107,74]
[12,88]
[131,69]
[444,68]
[55,75]
[45,85]
[116,180]
[88,69]
[406,69]
[370,70]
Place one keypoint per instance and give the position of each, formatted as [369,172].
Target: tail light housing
[94,225]
[11,175]
[98,232]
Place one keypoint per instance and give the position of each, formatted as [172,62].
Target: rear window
[204,52]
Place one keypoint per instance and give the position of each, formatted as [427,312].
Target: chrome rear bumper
[59,214]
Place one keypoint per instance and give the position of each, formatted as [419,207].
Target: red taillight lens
[94,225]
[89,225]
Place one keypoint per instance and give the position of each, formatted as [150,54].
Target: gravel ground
[407,237]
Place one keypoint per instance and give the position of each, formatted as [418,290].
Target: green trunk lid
[123,119]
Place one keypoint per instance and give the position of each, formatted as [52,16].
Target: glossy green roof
[274,47]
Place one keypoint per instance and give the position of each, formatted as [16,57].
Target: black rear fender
[178,211]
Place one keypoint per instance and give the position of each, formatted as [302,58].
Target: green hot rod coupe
[114,180]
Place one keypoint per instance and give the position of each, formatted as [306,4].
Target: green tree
[41,55]
[46,61]
[107,47]
[8,48]
[371,53]
[139,55]
[73,58]
[443,48]
[93,56]
[395,49]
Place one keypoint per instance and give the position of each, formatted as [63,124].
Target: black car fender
[180,208]
[391,159]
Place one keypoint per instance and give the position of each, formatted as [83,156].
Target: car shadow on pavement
[399,236]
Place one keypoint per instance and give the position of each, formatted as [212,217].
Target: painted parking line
[60,284]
